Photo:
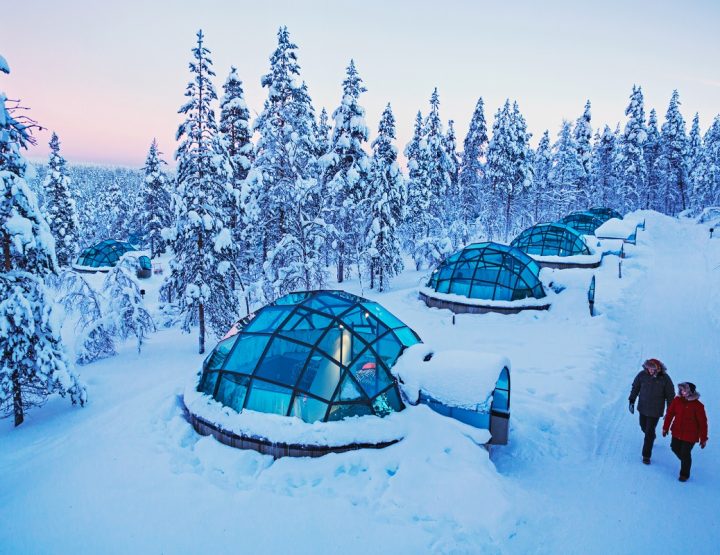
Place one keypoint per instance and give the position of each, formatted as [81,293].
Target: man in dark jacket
[654,388]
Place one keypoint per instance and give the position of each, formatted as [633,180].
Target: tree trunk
[17,399]
[340,264]
[507,218]
[6,252]
[201,324]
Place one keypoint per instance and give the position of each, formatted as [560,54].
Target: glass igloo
[485,272]
[551,239]
[584,222]
[103,256]
[316,355]
[605,213]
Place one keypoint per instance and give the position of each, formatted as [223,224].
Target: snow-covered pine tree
[60,207]
[567,174]
[652,196]
[33,361]
[94,338]
[157,212]
[582,133]
[386,206]
[321,131]
[346,175]
[458,232]
[693,157]
[283,197]
[672,162]
[631,157]
[508,169]
[707,175]
[543,198]
[604,184]
[470,176]
[235,128]
[203,245]
[128,316]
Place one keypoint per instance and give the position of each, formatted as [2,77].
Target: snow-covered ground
[127,474]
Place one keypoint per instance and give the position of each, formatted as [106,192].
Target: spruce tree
[582,133]
[283,197]
[693,157]
[156,201]
[652,196]
[346,174]
[567,174]
[673,151]
[33,361]
[508,169]
[471,168]
[60,207]
[202,243]
[631,159]
[706,190]
[543,208]
[386,206]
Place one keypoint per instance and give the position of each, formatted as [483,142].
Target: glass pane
[328,304]
[219,354]
[283,361]
[232,391]
[321,377]
[247,353]
[337,344]
[408,338]
[349,391]
[291,298]
[308,409]
[500,400]
[338,412]
[383,315]
[268,319]
[207,383]
[267,397]
[371,377]
[387,402]
[460,287]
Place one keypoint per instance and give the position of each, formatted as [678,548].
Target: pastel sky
[108,76]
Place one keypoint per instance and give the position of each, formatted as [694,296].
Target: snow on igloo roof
[551,239]
[488,271]
[103,255]
[316,355]
[457,377]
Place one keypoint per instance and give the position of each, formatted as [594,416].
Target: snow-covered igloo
[103,256]
[486,277]
[583,221]
[321,356]
[556,245]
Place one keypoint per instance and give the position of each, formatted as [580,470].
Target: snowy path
[604,499]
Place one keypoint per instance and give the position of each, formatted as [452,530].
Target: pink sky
[109,76]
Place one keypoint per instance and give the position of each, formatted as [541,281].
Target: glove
[631,408]
[702,444]
[665,432]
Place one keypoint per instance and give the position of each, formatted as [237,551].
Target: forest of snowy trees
[297,198]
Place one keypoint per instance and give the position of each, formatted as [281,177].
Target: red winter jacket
[688,419]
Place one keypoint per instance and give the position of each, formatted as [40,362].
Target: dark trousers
[648,425]
[682,451]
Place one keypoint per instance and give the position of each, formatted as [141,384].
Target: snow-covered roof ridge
[460,378]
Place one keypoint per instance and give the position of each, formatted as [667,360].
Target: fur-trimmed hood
[694,394]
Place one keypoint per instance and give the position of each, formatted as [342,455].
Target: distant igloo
[103,256]
[583,222]
[486,277]
[556,245]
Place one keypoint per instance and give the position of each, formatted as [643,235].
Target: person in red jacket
[688,422]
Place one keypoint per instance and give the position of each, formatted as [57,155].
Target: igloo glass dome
[584,222]
[316,355]
[103,256]
[489,271]
[553,239]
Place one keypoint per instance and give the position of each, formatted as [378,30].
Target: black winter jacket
[654,392]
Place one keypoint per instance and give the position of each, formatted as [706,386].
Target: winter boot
[646,460]
[683,478]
